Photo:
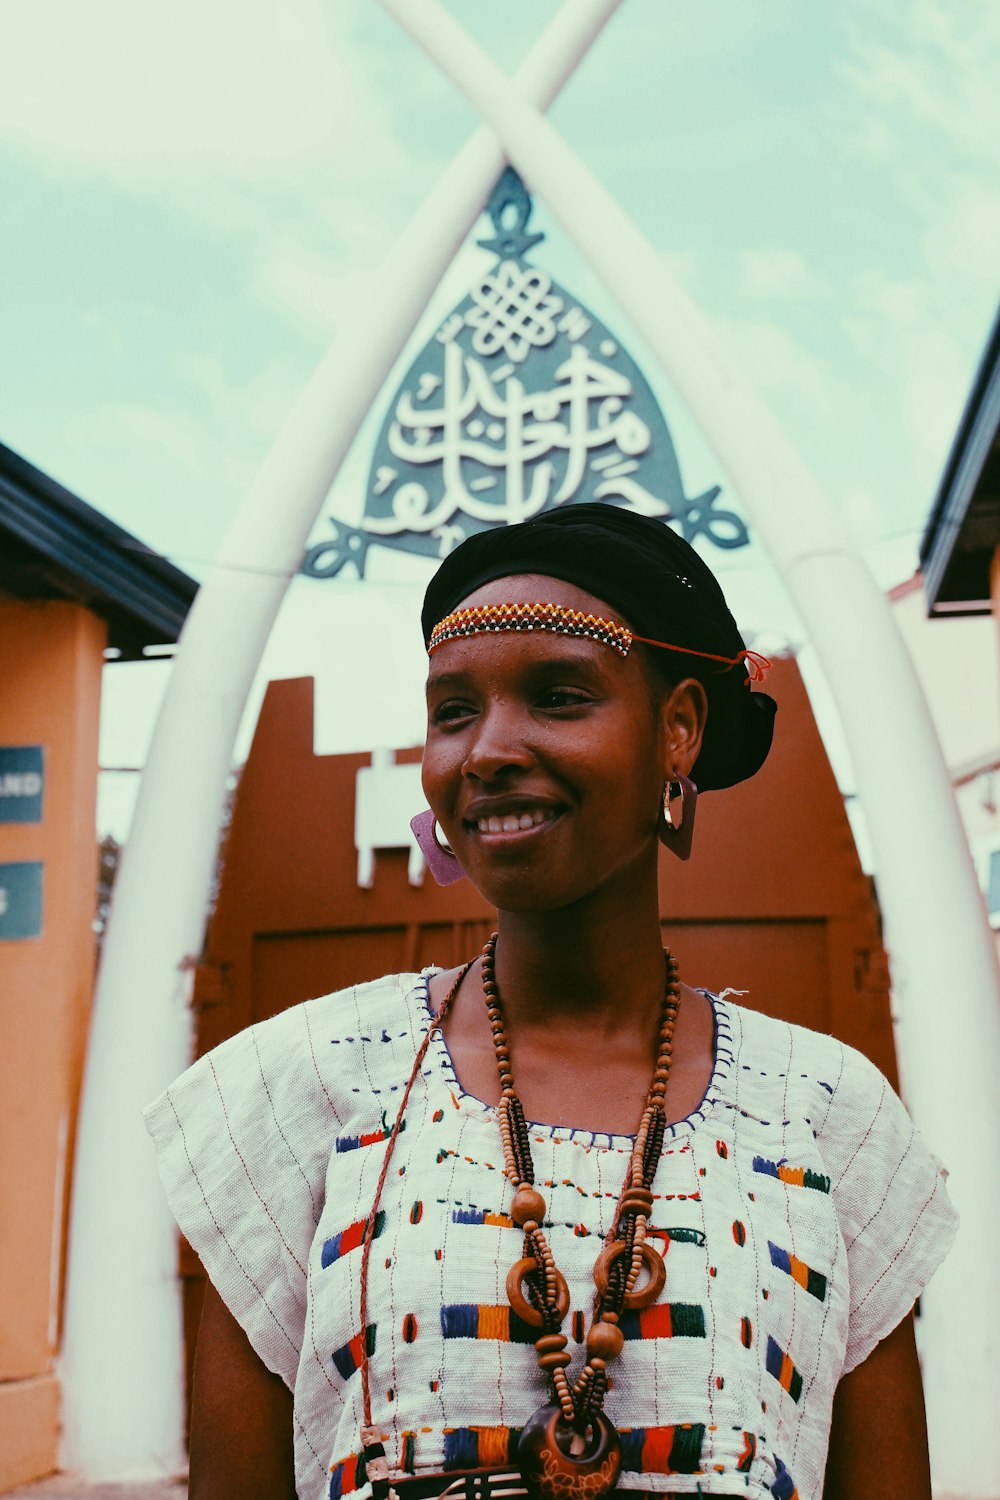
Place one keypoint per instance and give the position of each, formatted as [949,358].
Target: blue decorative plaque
[22,782]
[521,401]
[21,900]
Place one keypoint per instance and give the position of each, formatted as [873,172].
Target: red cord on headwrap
[757,664]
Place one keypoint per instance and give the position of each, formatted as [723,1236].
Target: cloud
[897,329]
[777,362]
[933,63]
[963,241]
[778,274]
[175,474]
[145,94]
[315,289]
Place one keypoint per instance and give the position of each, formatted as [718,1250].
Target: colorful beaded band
[484,618]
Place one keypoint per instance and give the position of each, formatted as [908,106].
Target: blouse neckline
[472,1105]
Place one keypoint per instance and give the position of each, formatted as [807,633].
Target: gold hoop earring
[678,837]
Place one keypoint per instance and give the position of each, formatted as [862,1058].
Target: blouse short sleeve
[243,1139]
[897,1220]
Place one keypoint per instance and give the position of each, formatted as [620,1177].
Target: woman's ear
[684,715]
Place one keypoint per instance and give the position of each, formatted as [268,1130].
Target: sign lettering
[22,783]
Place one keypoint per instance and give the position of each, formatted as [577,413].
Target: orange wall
[51,656]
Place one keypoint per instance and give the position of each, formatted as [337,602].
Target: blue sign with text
[22,782]
[21,900]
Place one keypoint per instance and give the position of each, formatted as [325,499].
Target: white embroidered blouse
[799,1213]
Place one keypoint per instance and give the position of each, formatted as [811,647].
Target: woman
[555,1221]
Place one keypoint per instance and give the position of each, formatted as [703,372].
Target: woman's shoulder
[353,1006]
[756,1035]
[341,1017]
[307,1054]
[768,1054]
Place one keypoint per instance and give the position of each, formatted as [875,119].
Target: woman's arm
[241,1417]
[878,1439]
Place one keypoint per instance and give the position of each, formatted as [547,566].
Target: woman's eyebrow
[574,665]
[577,664]
[446,679]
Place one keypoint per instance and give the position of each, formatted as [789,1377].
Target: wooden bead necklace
[569,1450]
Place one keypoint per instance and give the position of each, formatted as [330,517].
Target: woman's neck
[582,997]
[581,967]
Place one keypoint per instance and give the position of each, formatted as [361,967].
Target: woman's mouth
[511,822]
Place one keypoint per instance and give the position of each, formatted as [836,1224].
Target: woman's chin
[520,891]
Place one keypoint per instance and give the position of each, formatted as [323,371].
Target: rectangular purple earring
[440,860]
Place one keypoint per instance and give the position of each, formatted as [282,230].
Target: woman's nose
[499,744]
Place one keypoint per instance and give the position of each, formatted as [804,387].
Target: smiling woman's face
[545,756]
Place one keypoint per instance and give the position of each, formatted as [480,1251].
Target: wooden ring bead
[520,1303]
[643,1296]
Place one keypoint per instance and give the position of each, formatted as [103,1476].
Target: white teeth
[513,822]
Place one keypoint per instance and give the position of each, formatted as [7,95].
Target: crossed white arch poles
[122,1363]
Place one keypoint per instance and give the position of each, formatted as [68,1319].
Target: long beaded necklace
[568,1449]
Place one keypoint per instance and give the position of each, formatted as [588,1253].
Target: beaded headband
[484,619]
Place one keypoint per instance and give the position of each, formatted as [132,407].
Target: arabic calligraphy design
[520,401]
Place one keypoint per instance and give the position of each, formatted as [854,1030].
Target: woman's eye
[564,698]
[451,712]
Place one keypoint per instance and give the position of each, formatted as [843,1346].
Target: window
[986,852]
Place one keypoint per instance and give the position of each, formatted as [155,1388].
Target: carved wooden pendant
[553,1470]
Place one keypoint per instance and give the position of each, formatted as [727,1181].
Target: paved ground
[65,1487]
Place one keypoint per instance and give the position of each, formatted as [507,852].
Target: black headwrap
[660,587]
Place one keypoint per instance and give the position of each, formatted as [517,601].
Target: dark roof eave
[956,495]
[84,556]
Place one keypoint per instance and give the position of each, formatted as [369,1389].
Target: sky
[191,197]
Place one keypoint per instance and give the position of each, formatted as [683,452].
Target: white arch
[927,885]
[122,1359]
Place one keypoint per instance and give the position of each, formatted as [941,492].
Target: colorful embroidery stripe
[679,1236]
[792,1176]
[353,1142]
[481,1216]
[349,1474]
[663,1450]
[466,1320]
[479,1447]
[783,1487]
[348,1357]
[780,1366]
[749,1453]
[665,1320]
[349,1239]
[813,1281]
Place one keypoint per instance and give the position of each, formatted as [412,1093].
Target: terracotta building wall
[51,657]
